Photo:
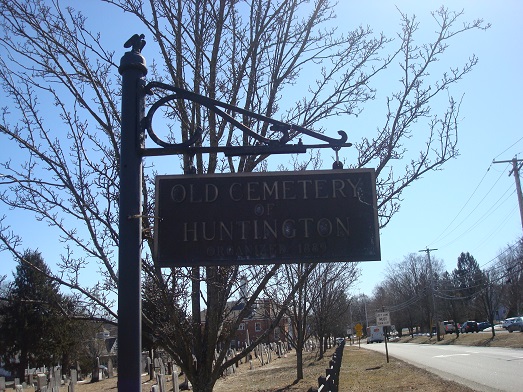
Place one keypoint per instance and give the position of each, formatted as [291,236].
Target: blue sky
[469,206]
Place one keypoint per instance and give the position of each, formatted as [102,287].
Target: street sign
[265,218]
[359,330]
[383,319]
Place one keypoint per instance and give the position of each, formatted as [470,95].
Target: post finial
[136,42]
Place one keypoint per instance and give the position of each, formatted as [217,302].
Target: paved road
[481,368]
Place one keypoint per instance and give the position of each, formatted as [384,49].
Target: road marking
[449,355]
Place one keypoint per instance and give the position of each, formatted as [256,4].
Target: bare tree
[330,305]
[415,287]
[299,309]
[63,120]
[318,305]
[511,263]
[492,294]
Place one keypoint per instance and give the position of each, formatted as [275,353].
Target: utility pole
[427,250]
[365,307]
[515,170]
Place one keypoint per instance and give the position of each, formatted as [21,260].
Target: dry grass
[279,375]
[366,370]
[503,339]
[362,370]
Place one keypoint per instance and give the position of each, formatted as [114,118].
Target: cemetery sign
[265,218]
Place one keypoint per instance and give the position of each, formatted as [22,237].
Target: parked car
[516,325]
[449,326]
[484,325]
[508,321]
[469,326]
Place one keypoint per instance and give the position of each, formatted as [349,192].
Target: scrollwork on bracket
[265,145]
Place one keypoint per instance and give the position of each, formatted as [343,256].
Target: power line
[516,142]
[487,213]
[464,205]
[442,236]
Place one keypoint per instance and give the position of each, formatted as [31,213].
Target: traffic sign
[383,319]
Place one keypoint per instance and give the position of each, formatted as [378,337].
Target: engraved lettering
[288,193]
[270,191]
[252,187]
[206,236]
[211,193]
[319,187]
[192,195]
[225,230]
[178,193]
[235,195]
[187,230]
[268,229]
[324,227]
[341,229]
[338,187]
[354,186]
[288,229]
[306,222]
[304,185]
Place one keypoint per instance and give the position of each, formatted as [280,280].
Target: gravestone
[110,370]
[2,384]
[150,369]
[73,381]
[57,380]
[41,382]
[176,385]
[74,376]
[160,379]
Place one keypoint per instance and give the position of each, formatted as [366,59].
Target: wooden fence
[330,382]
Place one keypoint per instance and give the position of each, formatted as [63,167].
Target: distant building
[255,323]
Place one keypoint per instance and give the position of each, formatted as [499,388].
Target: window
[257,327]
[242,327]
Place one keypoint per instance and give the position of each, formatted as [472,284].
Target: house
[259,320]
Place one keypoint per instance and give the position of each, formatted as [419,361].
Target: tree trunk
[299,363]
[203,384]
[322,351]
[299,349]
[95,377]
[22,365]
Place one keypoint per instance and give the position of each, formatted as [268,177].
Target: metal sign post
[383,320]
[132,68]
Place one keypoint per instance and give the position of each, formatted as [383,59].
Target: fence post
[322,381]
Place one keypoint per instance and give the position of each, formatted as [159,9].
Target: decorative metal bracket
[265,145]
